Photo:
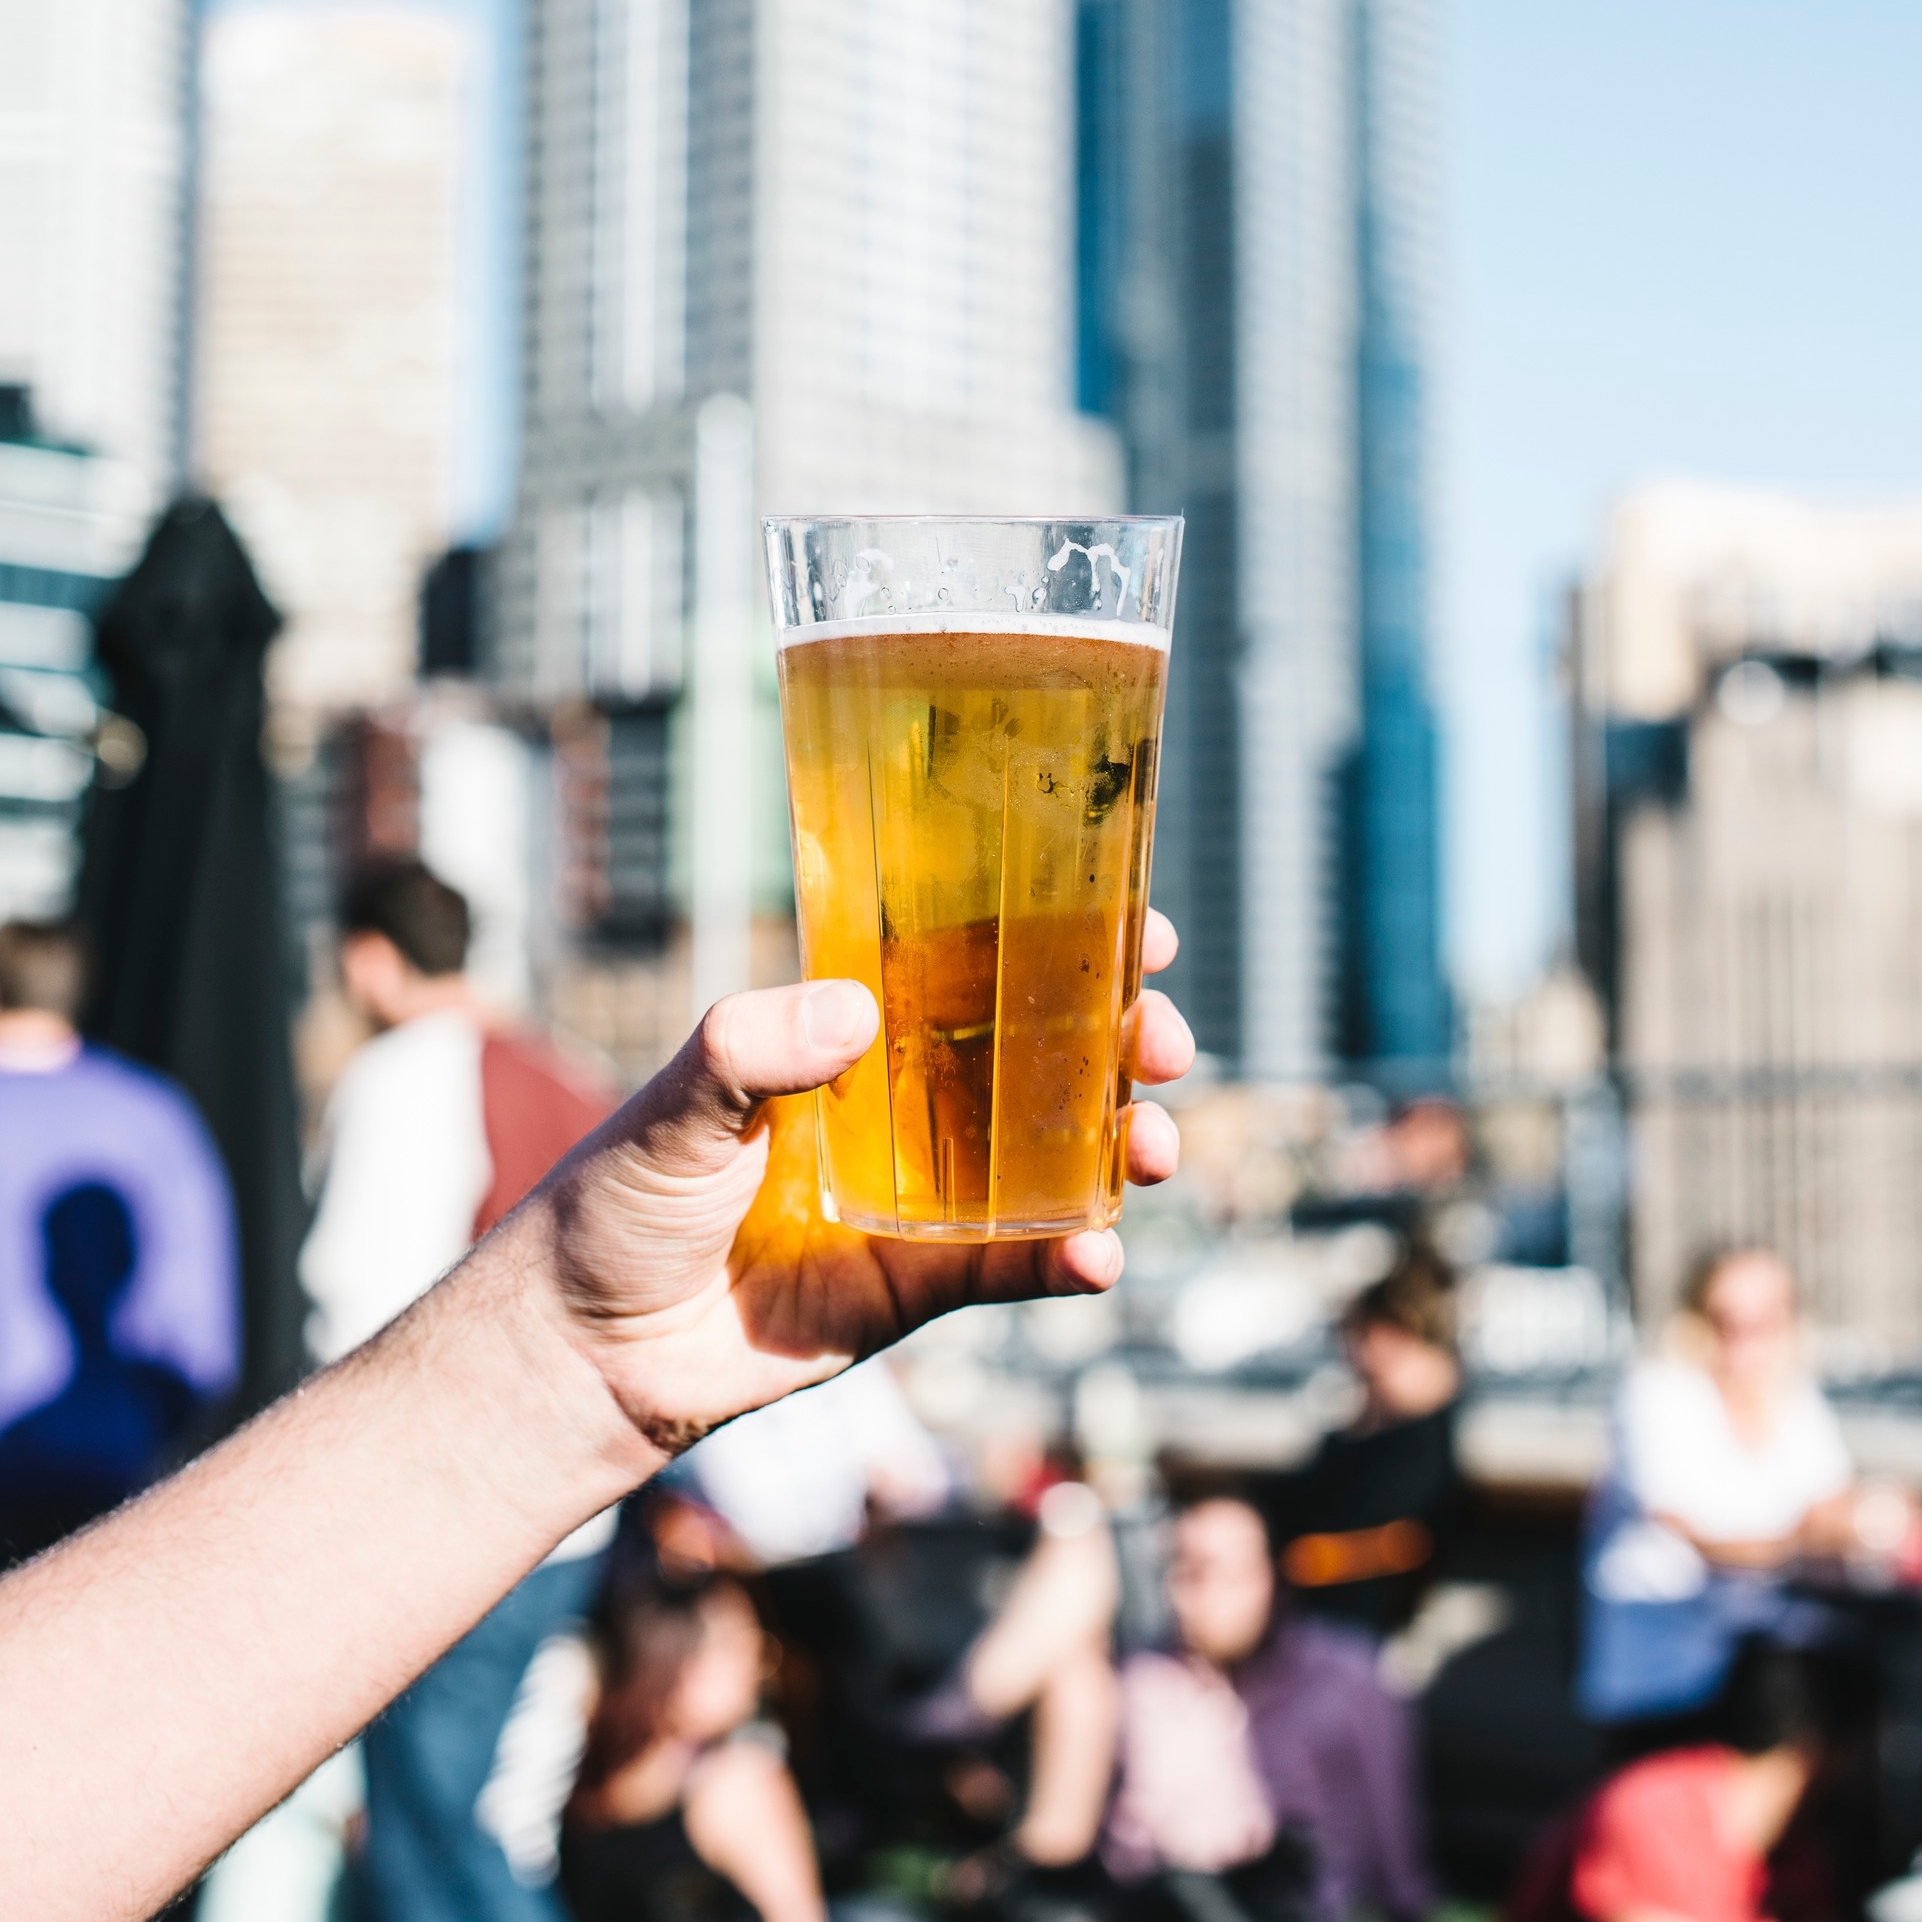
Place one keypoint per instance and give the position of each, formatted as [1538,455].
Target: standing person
[119,1302]
[437,1127]
[1728,1465]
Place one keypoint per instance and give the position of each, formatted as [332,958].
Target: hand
[695,1267]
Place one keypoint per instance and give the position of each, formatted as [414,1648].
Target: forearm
[1753,1557]
[745,1819]
[183,1668]
[1760,1552]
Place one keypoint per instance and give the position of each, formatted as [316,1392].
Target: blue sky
[1681,236]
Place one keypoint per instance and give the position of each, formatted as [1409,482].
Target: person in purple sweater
[119,1310]
[1263,1772]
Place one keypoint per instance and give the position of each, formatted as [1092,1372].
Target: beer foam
[921,623]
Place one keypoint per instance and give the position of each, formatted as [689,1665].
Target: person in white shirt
[402,1157]
[1728,1466]
[800,1478]
[413,1153]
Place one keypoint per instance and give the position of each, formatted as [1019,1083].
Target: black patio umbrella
[181,893]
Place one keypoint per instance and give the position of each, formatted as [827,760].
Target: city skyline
[1589,337]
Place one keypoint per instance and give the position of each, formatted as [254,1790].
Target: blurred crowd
[829,1661]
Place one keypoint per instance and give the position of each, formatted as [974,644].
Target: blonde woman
[1728,1468]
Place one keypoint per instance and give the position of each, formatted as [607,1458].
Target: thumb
[769,1041]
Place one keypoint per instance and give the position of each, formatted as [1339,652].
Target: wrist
[562,1445]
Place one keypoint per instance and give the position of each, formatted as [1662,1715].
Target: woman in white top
[1727,1466]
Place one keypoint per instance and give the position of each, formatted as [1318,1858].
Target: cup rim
[773,521]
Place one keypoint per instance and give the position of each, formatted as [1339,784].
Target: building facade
[781,256]
[1256,196]
[94,162]
[1746,674]
[328,322]
[71,523]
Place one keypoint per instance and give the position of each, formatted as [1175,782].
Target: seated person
[1046,1652]
[1728,1465]
[1697,1832]
[1260,1749]
[805,1476]
[680,1813]
[790,1486]
[1363,1522]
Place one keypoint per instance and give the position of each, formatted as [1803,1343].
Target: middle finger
[1163,1048]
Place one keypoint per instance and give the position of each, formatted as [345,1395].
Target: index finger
[1159,941]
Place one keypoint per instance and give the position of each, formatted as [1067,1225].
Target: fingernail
[838,1015]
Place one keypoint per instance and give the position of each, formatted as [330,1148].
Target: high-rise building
[1746,687]
[94,99]
[1256,194]
[329,320]
[70,523]
[781,256]
[93,169]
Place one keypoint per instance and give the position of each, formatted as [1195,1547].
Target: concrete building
[327,353]
[93,174]
[70,523]
[1746,673]
[780,256]
[94,99]
[1256,192]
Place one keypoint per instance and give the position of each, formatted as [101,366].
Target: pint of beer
[972,713]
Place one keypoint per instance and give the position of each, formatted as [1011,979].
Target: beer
[973,809]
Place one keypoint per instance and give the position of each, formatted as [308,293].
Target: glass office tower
[1256,226]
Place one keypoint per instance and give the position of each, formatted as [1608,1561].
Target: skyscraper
[782,255]
[329,320]
[1746,674]
[856,215]
[93,171]
[1256,185]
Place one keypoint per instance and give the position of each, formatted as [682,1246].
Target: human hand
[694,1266]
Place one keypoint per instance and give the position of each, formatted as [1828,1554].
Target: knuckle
[720,1043]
